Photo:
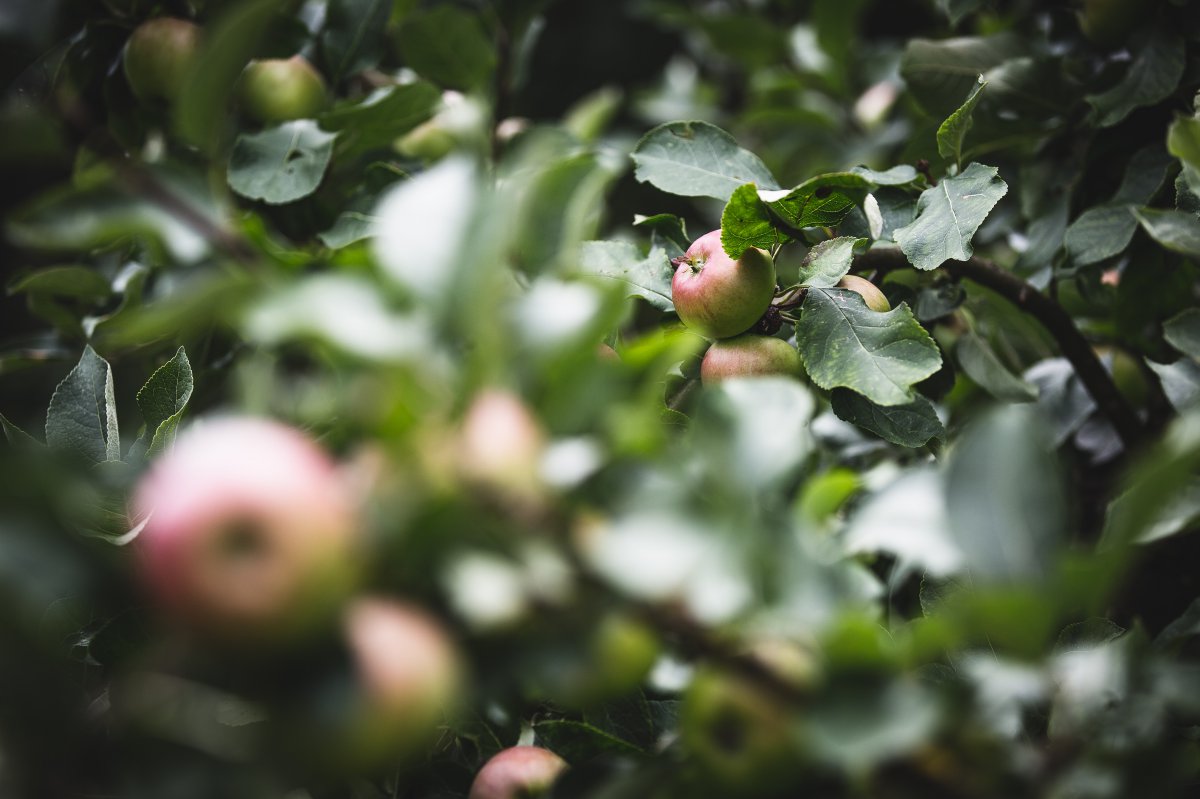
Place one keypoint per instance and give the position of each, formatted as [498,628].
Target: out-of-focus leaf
[667,232]
[1179,513]
[983,366]
[1180,382]
[280,164]
[1099,233]
[907,519]
[910,425]
[1061,395]
[941,299]
[1183,628]
[350,227]
[953,131]
[16,436]
[879,355]
[1152,75]
[858,728]
[352,37]
[1178,231]
[229,43]
[1182,332]
[1004,498]
[448,45]
[948,215]
[382,116]
[696,159]
[63,281]
[647,277]
[82,417]
[822,201]
[745,223]
[939,73]
[829,261]
[579,741]
[956,10]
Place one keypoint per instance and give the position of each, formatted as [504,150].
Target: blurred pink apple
[517,772]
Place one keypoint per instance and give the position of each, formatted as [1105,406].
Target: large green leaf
[953,131]
[822,201]
[1151,77]
[162,400]
[829,261]
[948,215]
[82,417]
[647,277]
[746,223]
[910,425]
[1100,233]
[448,45]
[696,159]
[879,355]
[383,115]
[280,164]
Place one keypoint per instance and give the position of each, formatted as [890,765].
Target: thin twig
[1057,322]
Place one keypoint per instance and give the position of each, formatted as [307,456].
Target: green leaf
[822,201]
[647,277]
[1183,140]
[577,741]
[82,416]
[908,425]
[667,232]
[1004,497]
[939,73]
[448,45]
[879,355]
[696,159]
[829,261]
[1182,332]
[983,366]
[352,37]
[1178,231]
[381,117]
[280,164]
[948,215]
[163,398]
[902,175]
[1100,233]
[746,223]
[63,281]
[1150,79]
[1178,514]
[16,436]
[229,43]
[953,131]
[349,227]
[1180,382]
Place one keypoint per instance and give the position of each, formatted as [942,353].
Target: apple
[1107,23]
[501,445]
[282,89]
[717,296]
[737,734]
[872,296]
[248,531]
[158,55]
[748,354]
[612,661]
[519,772]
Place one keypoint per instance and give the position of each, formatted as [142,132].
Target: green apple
[519,772]
[738,735]
[1107,23]
[747,355]
[872,296]
[282,89]
[158,56]
[717,296]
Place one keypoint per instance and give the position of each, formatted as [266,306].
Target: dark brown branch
[1075,348]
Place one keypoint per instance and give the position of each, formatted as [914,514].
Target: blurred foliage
[949,561]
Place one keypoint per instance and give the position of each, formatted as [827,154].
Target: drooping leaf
[449,46]
[1100,233]
[822,201]
[1178,231]
[1004,497]
[696,159]
[910,425]
[1182,332]
[829,261]
[939,73]
[879,355]
[1152,75]
[647,277]
[953,131]
[983,366]
[745,223]
[280,164]
[948,215]
[82,417]
[162,400]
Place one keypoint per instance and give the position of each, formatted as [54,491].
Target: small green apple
[158,56]
[1107,23]
[749,354]
[282,89]
[717,296]
[872,296]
